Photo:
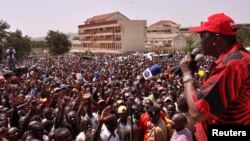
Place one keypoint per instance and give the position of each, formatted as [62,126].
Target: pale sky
[36,17]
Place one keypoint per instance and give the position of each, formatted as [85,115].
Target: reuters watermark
[218,132]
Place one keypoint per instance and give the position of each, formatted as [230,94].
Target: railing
[106,39]
[105,31]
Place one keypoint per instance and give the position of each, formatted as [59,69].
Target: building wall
[156,40]
[166,40]
[179,41]
[167,28]
[76,46]
[133,35]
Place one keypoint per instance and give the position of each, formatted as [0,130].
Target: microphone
[196,56]
[152,71]
[149,72]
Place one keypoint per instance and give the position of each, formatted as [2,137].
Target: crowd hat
[154,110]
[63,86]
[168,99]
[160,89]
[101,101]
[217,23]
[121,109]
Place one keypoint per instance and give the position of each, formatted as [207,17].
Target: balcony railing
[105,39]
[105,31]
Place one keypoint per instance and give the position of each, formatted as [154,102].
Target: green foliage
[192,42]
[57,42]
[38,44]
[3,27]
[167,50]
[243,36]
[3,35]
[22,44]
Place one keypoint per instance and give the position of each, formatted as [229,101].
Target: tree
[192,42]
[22,44]
[57,42]
[3,35]
[3,27]
[244,36]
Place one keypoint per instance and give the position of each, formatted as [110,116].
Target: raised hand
[105,113]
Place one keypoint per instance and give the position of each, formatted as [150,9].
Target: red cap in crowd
[217,23]
[101,101]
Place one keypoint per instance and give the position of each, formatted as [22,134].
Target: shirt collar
[234,48]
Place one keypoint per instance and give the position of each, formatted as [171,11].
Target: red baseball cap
[217,23]
[101,101]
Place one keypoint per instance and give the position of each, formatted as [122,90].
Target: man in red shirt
[145,124]
[152,126]
[224,96]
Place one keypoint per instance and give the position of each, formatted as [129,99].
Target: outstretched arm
[187,68]
[103,118]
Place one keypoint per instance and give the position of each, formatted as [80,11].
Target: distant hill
[38,39]
[71,36]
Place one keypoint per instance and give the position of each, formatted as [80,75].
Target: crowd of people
[70,93]
[65,98]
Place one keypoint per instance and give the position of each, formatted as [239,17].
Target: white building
[76,46]
[166,40]
[112,33]
[165,34]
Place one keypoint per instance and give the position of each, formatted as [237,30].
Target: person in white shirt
[181,133]
[11,52]
[107,127]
